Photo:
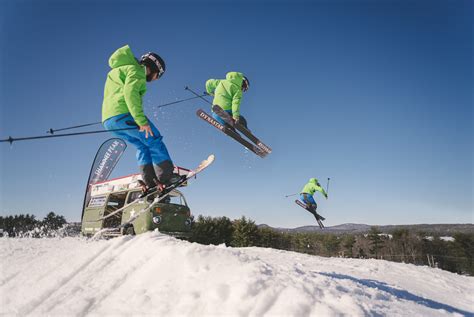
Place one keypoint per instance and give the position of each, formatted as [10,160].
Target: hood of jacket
[235,77]
[121,57]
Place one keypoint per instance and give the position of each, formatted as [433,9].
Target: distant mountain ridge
[439,229]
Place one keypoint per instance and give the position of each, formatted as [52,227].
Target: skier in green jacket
[228,95]
[123,108]
[307,193]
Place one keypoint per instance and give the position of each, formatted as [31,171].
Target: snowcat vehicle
[114,202]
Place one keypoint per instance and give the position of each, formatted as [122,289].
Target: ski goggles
[245,84]
[154,63]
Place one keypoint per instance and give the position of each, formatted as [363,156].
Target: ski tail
[228,131]
[203,165]
[228,119]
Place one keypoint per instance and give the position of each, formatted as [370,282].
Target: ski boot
[175,181]
[145,189]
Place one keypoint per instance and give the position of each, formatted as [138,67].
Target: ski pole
[327,186]
[51,131]
[11,140]
[178,101]
[291,195]
[202,97]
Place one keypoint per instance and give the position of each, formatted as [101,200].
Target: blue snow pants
[308,200]
[149,151]
[243,121]
[217,118]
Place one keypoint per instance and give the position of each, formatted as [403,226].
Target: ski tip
[211,158]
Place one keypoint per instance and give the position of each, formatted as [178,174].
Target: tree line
[401,245]
[28,226]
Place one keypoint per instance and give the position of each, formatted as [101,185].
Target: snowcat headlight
[188,222]
[157,220]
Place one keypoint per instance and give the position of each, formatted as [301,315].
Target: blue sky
[376,95]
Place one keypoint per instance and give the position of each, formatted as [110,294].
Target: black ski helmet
[155,63]
[245,84]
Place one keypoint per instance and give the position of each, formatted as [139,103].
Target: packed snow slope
[153,274]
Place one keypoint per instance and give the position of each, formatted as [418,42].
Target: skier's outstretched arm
[211,86]
[324,193]
[321,190]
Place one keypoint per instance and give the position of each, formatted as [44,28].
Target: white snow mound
[153,274]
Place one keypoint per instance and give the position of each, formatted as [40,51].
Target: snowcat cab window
[133,196]
[116,201]
[164,200]
[150,198]
[177,200]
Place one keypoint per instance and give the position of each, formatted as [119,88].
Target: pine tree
[208,230]
[348,243]
[376,243]
[245,233]
[53,221]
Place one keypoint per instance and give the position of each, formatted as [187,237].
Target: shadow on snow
[401,294]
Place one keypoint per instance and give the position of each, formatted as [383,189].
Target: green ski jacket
[227,92]
[312,187]
[124,87]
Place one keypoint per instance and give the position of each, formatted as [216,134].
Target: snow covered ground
[153,274]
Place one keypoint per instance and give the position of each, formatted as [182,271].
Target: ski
[306,207]
[233,134]
[318,217]
[228,119]
[203,165]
